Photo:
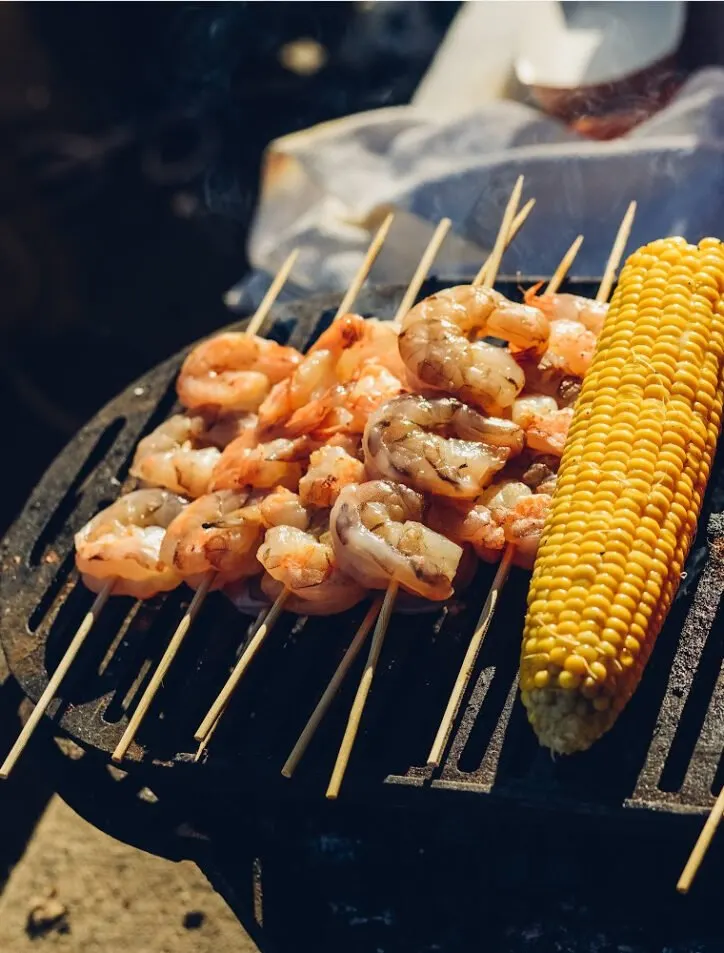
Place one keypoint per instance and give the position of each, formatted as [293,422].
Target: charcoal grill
[658,765]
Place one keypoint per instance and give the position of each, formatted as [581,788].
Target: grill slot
[47,601]
[73,494]
[655,755]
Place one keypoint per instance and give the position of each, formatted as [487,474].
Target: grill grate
[664,754]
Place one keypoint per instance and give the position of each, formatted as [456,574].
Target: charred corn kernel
[629,491]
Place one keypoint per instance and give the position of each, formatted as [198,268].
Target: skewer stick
[514,229]
[471,656]
[185,624]
[408,299]
[266,303]
[100,600]
[331,690]
[168,656]
[486,616]
[489,272]
[207,727]
[614,259]
[55,680]
[564,266]
[364,268]
[702,845]
[363,690]
[428,256]
[214,713]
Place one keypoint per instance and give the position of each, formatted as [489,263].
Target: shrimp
[312,378]
[281,507]
[439,446]
[523,525]
[377,344]
[345,408]
[587,311]
[276,463]
[439,344]
[545,424]
[181,453]
[479,523]
[123,542]
[341,355]
[378,536]
[233,371]
[470,523]
[305,563]
[220,531]
[330,468]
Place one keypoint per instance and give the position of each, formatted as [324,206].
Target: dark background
[131,140]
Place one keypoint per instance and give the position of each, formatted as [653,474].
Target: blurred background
[132,141]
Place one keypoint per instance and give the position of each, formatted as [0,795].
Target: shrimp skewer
[526,529]
[209,723]
[487,276]
[207,580]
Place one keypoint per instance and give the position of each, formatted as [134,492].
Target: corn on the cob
[629,492]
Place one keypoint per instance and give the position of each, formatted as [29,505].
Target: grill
[664,754]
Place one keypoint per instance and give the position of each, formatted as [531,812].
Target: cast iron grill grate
[664,754]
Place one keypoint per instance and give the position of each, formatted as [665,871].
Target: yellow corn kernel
[632,476]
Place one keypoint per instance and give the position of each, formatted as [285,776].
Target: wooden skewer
[184,625]
[100,600]
[489,272]
[363,691]
[428,256]
[408,299]
[486,616]
[331,690]
[255,643]
[471,657]
[702,845]
[168,656]
[614,259]
[56,678]
[267,302]
[364,269]
[564,266]
[514,229]
[209,724]
[485,275]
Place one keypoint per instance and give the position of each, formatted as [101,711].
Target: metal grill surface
[664,753]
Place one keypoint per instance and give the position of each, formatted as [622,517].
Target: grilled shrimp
[376,344]
[340,356]
[312,378]
[587,311]
[481,522]
[281,507]
[523,526]
[123,542]
[378,536]
[330,468]
[544,423]
[439,344]
[438,446]
[233,371]
[220,531]
[181,453]
[277,463]
[345,408]
[305,563]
